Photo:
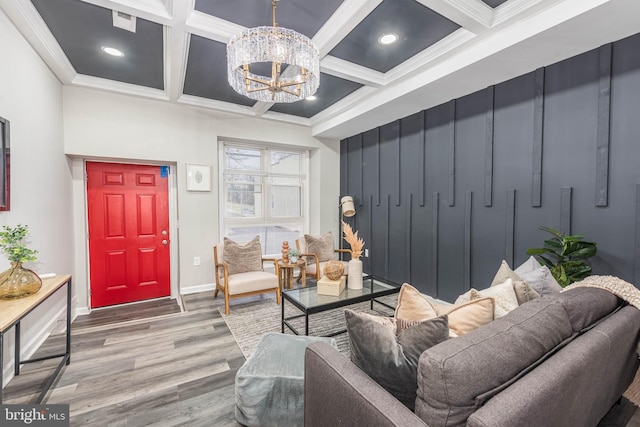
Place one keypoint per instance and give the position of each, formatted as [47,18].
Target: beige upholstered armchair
[318,250]
[241,272]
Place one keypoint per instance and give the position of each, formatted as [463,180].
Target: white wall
[31,99]
[101,125]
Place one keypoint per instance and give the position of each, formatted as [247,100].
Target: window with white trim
[263,193]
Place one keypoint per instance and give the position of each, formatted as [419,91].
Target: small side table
[286,273]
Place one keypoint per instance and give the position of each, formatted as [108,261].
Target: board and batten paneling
[447,193]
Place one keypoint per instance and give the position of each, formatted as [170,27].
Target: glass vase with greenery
[564,255]
[11,242]
[17,281]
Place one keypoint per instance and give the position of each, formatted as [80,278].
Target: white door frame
[81,276]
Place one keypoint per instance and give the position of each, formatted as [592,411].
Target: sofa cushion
[242,257]
[585,306]
[413,305]
[538,276]
[503,295]
[504,272]
[452,375]
[389,359]
[524,292]
[322,246]
[465,317]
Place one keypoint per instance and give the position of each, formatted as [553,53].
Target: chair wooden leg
[215,294]
[226,304]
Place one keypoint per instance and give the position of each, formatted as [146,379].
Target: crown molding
[120,87]
[287,118]
[150,10]
[227,107]
[27,19]
[440,49]
[514,9]
[474,15]
[212,104]
[345,104]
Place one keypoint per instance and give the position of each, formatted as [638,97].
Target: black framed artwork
[5,164]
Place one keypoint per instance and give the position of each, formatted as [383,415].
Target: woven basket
[333,269]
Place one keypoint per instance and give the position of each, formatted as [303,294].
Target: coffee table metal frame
[373,287]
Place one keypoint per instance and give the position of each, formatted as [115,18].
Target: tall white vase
[355,274]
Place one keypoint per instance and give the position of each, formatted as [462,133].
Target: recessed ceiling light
[388,38]
[311,98]
[112,51]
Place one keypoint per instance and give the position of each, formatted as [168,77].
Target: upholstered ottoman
[270,384]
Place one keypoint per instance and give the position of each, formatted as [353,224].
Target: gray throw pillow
[242,258]
[321,246]
[391,359]
[538,276]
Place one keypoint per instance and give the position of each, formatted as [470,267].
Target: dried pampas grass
[353,240]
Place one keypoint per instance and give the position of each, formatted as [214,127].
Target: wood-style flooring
[143,364]
[149,364]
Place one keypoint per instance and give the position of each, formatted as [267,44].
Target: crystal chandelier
[295,63]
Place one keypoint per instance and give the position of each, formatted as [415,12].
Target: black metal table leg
[16,367]
[282,308]
[68,352]
[1,365]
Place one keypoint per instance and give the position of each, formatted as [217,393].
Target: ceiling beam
[445,47]
[474,15]
[487,60]
[342,22]
[211,27]
[176,48]
[348,70]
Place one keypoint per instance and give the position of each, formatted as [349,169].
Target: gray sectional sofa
[560,360]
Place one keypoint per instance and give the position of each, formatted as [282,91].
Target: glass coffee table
[309,302]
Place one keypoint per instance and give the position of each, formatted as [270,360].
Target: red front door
[128,233]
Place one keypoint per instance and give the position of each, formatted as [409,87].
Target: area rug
[248,322]
[633,392]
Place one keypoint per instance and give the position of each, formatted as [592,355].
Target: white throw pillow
[503,295]
[538,276]
[466,297]
[523,291]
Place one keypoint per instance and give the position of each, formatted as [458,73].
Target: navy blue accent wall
[445,194]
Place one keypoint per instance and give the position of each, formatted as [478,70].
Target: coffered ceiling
[445,49]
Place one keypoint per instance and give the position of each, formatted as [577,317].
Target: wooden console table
[13,311]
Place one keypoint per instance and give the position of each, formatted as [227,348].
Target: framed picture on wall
[5,168]
[198,177]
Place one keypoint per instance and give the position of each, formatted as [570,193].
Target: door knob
[164,232]
[165,241]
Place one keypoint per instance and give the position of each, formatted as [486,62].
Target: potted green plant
[564,255]
[294,254]
[17,281]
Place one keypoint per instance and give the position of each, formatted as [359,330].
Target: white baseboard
[185,290]
[34,344]
[82,311]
